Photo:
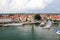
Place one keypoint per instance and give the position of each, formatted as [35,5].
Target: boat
[42,24]
[58,32]
[13,24]
[48,24]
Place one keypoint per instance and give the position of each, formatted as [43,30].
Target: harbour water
[29,32]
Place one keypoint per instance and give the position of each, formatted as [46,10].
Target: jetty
[21,23]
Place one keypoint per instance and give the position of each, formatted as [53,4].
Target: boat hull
[58,32]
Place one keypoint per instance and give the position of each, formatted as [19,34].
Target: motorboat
[13,24]
[42,24]
[58,32]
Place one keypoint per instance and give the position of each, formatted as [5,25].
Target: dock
[33,22]
[21,23]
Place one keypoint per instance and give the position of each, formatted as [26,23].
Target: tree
[37,17]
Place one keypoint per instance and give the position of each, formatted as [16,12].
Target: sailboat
[48,24]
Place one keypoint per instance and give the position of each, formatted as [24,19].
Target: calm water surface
[29,32]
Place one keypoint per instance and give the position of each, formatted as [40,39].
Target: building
[55,17]
[30,17]
[6,20]
[23,18]
[43,16]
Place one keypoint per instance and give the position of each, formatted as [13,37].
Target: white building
[4,20]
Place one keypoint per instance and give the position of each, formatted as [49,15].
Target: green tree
[37,17]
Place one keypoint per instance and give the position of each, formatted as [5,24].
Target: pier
[21,23]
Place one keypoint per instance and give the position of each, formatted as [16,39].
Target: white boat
[43,23]
[48,24]
[58,32]
[13,24]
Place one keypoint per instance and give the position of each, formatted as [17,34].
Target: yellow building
[30,17]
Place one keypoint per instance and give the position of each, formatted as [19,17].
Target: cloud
[21,5]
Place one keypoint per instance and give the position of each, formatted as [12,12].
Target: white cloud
[18,4]
[15,5]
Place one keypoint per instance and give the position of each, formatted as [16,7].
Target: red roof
[54,16]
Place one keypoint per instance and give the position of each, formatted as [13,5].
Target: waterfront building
[5,16]
[43,16]
[6,20]
[26,17]
[23,18]
[55,17]
[30,17]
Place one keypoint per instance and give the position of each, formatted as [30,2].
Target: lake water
[29,32]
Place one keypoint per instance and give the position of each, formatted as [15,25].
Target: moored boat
[58,32]
[48,24]
[42,24]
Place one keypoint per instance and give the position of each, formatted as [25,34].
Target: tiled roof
[54,16]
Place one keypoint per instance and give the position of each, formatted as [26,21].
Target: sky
[29,6]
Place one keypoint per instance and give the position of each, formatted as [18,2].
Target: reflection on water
[29,32]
